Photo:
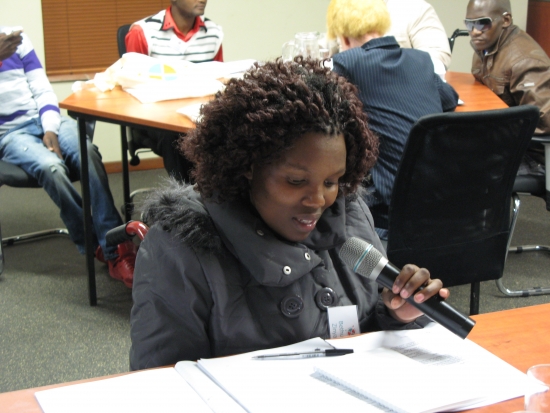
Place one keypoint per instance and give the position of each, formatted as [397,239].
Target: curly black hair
[257,118]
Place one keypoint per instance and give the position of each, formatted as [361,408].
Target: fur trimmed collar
[178,209]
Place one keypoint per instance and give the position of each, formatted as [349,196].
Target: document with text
[389,371]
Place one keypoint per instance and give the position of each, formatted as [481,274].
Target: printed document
[465,376]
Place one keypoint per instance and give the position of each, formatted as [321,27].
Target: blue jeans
[23,147]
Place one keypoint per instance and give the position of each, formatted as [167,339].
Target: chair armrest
[541,139]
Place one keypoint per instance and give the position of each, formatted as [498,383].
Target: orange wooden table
[519,336]
[120,108]
[476,96]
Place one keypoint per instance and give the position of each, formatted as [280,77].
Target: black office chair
[457,33]
[450,206]
[534,185]
[121,33]
[14,176]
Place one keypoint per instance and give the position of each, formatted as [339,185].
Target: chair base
[6,242]
[518,250]
[530,291]
[9,241]
[529,248]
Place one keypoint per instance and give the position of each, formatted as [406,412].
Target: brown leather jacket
[518,71]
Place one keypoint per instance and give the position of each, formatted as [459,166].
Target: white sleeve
[43,94]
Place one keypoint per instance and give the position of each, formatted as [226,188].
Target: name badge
[342,321]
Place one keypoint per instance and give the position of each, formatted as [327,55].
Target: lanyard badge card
[342,321]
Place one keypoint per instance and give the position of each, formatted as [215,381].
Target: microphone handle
[435,307]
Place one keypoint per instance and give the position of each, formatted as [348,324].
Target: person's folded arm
[447,94]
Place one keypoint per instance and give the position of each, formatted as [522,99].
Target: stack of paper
[402,384]
[424,370]
[283,385]
[150,79]
[160,390]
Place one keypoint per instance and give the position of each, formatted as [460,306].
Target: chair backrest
[457,33]
[120,38]
[450,206]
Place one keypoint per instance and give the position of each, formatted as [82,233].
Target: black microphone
[369,262]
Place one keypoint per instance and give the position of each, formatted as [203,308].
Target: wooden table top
[519,336]
[476,96]
[119,106]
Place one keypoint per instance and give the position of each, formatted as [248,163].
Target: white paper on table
[238,66]
[225,70]
[434,345]
[177,89]
[401,383]
[284,385]
[151,79]
[291,385]
[191,111]
[218,400]
[159,390]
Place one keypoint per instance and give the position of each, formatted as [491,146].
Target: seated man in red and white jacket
[178,33]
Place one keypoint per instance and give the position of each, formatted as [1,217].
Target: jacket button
[260,232]
[308,257]
[287,270]
[292,306]
[325,298]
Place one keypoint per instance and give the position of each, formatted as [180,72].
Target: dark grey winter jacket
[212,280]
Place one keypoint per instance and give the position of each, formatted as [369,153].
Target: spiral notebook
[401,384]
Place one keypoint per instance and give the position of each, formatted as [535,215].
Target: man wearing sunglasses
[509,62]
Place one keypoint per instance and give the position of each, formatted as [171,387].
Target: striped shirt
[25,92]
[159,37]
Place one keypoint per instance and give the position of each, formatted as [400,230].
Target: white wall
[253,29]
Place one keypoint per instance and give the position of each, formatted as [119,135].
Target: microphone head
[360,255]
[367,261]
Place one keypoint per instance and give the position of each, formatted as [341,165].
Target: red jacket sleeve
[136,42]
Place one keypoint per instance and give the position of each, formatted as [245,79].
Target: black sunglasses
[481,24]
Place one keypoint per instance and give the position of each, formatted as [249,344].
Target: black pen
[305,355]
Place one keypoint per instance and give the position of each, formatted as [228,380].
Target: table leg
[125,175]
[87,211]
[547,168]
